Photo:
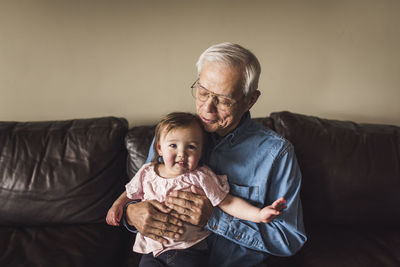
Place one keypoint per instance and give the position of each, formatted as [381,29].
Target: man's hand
[192,207]
[151,219]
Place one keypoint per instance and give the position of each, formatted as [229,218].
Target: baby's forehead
[176,128]
[191,131]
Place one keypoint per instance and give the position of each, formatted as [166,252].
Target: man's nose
[210,104]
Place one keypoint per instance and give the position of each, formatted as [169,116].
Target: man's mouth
[208,121]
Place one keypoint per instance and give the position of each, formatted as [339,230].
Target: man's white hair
[237,56]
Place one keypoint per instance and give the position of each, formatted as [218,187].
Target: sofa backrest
[351,172]
[62,171]
[137,142]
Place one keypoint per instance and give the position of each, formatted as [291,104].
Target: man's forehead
[230,87]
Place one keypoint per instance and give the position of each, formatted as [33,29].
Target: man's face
[222,80]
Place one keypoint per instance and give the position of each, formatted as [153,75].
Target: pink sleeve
[134,189]
[215,187]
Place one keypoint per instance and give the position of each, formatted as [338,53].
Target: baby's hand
[279,204]
[114,215]
[269,213]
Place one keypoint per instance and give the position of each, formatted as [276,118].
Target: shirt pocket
[249,193]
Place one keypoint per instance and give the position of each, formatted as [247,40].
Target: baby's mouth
[180,163]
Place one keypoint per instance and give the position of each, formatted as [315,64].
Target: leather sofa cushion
[346,246]
[82,245]
[60,171]
[137,142]
[351,171]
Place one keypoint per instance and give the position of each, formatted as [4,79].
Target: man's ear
[252,99]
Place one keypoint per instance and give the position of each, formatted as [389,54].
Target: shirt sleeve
[285,235]
[215,187]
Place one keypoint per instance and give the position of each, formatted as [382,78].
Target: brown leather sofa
[57,180]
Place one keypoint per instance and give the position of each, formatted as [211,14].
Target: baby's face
[181,149]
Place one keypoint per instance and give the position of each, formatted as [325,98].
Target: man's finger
[166,219]
[165,233]
[182,217]
[184,195]
[197,191]
[180,207]
[194,209]
[167,227]
[160,206]
[158,238]
[173,202]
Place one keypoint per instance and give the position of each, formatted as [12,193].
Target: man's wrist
[129,227]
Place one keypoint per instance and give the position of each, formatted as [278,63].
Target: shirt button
[238,237]
[215,227]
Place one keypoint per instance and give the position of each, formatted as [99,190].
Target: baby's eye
[192,147]
[172,145]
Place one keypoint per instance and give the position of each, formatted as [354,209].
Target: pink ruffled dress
[147,185]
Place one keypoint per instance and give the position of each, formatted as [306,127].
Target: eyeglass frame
[214,95]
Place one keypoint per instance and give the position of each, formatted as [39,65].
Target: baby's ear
[159,149]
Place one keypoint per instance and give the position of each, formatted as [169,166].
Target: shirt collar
[233,136]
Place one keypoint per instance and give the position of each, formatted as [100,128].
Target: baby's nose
[181,153]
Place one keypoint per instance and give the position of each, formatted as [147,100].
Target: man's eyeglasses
[222,103]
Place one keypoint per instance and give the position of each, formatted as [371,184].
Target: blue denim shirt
[261,167]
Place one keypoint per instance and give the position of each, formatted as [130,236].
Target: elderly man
[261,167]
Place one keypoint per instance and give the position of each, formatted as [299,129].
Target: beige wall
[62,59]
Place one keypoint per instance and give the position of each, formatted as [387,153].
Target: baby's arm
[241,209]
[114,214]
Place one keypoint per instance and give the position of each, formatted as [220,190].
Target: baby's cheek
[168,159]
[193,162]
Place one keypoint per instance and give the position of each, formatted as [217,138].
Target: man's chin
[209,125]
[210,128]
